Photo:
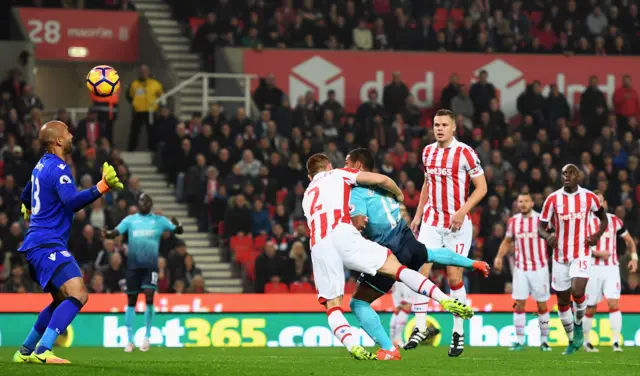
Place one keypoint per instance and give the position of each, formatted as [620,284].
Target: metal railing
[244,81]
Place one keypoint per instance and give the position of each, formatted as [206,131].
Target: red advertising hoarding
[261,303]
[351,74]
[82,35]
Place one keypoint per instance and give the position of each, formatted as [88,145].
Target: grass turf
[322,361]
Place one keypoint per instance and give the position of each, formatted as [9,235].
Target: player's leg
[68,280]
[594,295]
[520,294]
[328,272]
[38,329]
[130,316]
[612,291]
[561,283]
[149,282]
[402,313]
[134,287]
[360,305]
[579,273]
[538,282]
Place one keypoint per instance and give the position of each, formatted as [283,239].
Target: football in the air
[103,81]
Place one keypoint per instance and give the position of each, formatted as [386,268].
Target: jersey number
[389,205]
[315,191]
[35,195]
[154,278]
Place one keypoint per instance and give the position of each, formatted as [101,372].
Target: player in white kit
[604,277]
[443,215]
[336,244]
[568,210]
[531,272]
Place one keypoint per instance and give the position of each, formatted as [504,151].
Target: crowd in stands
[583,27]
[103,261]
[250,173]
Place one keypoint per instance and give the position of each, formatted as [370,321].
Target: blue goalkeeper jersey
[52,198]
[144,233]
[385,222]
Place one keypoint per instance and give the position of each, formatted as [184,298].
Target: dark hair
[445,112]
[317,163]
[363,156]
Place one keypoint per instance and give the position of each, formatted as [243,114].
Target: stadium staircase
[176,48]
[218,274]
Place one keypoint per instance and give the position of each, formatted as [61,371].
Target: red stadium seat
[440,19]
[249,265]
[301,288]
[281,195]
[276,288]
[241,247]
[535,17]
[259,242]
[458,15]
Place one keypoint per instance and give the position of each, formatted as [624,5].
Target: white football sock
[580,307]
[566,318]
[460,293]
[543,321]
[519,321]
[340,327]
[615,318]
[587,323]
[420,308]
[401,322]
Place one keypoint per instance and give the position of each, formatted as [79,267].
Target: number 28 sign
[72,35]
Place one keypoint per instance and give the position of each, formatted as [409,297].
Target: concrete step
[225,290]
[222,274]
[209,266]
[224,282]
[155,6]
[159,191]
[205,255]
[190,109]
[188,236]
[191,99]
[181,56]
[164,23]
[153,184]
[185,65]
[167,31]
[211,259]
[133,157]
[186,73]
[179,213]
[174,40]
[203,244]
[190,225]
[157,14]
[184,48]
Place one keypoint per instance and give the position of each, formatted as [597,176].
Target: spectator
[97,285]
[177,269]
[426,36]
[556,105]
[132,191]
[532,103]
[98,215]
[18,281]
[625,102]
[90,128]
[191,271]
[197,285]
[593,107]
[143,93]
[163,276]
[86,248]
[114,275]
[450,91]
[395,95]
[597,21]
[108,249]
[462,104]
[196,179]
[205,40]
[28,101]
[362,36]
[179,287]
[333,105]
[260,222]
[299,263]
[268,265]
[268,96]
[237,220]
[482,92]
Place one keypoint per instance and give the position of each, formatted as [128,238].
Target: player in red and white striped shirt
[568,210]
[531,272]
[604,278]
[443,214]
[336,244]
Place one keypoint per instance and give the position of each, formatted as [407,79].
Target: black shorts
[408,250]
[141,279]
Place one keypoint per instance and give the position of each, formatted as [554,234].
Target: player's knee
[542,307]
[148,297]
[332,303]
[613,305]
[132,299]
[518,306]
[591,310]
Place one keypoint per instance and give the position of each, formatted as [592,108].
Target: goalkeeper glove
[26,213]
[109,180]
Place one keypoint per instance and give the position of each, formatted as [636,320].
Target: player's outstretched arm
[505,247]
[179,230]
[78,200]
[382,181]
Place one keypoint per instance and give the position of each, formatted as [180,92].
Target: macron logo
[52,256]
[61,166]
[319,76]
[508,80]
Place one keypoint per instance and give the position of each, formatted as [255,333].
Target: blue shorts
[141,279]
[52,267]
[408,250]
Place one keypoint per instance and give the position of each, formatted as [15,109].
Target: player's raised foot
[616,347]
[457,345]
[588,347]
[360,353]
[545,347]
[47,357]
[578,336]
[389,355]
[481,267]
[145,345]
[129,348]
[570,349]
[416,338]
[517,347]
[18,357]
[460,309]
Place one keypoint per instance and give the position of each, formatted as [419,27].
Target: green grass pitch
[319,361]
